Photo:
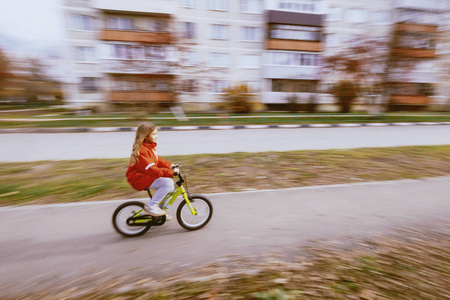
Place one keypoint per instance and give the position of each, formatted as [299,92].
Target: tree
[346,92]
[5,71]
[370,63]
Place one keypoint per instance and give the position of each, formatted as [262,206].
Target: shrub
[346,92]
[238,99]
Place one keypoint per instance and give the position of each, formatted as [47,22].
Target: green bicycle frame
[174,195]
[171,197]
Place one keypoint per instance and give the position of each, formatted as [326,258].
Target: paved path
[44,246]
[61,146]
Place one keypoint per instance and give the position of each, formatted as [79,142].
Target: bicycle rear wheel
[122,213]
[194,222]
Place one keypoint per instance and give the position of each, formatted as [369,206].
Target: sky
[31,23]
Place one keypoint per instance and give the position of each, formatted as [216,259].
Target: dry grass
[93,180]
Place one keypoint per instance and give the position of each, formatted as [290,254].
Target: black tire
[120,216]
[191,222]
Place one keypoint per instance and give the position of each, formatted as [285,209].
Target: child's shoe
[154,210]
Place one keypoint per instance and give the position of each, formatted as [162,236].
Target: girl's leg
[163,186]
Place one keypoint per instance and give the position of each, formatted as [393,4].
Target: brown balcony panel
[409,99]
[294,45]
[133,36]
[416,28]
[141,96]
[419,53]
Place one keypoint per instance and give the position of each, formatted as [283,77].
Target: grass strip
[211,120]
[104,179]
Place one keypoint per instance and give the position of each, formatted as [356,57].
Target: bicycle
[193,213]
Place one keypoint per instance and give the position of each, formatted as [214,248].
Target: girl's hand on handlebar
[176,171]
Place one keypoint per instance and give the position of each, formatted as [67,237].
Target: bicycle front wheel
[121,215]
[194,222]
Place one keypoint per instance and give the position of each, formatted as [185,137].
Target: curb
[219,127]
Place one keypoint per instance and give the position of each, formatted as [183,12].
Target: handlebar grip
[176,166]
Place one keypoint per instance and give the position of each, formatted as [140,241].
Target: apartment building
[416,34]
[190,50]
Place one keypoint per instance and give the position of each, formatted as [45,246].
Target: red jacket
[148,168]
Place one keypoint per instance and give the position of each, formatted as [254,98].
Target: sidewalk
[218,127]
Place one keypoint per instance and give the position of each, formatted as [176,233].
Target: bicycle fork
[188,202]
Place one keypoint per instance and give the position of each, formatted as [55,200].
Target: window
[135,52]
[251,6]
[250,34]
[304,86]
[155,53]
[188,30]
[277,85]
[334,14]
[122,51]
[250,61]
[218,86]
[381,17]
[294,86]
[188,3]
[294,32]
[85,54]
[218,4]
[89,84]
[220,60]
[294,59]
[119,23]
[190,86]
[82,22]
[415,41]
[219,32]
[298,5]
[157,26]
[356,15]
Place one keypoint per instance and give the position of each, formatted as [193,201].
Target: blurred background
[239,56]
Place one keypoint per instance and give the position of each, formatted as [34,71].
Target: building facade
[189,51]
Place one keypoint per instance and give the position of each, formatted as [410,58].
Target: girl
[148,170]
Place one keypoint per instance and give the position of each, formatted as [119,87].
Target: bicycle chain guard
[146,220]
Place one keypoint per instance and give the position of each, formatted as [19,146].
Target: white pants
[163,186]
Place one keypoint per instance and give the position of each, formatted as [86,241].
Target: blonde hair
[143,130]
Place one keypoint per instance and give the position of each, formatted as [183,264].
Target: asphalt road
[63,146]
[49,246]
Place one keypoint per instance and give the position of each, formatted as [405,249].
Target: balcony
[136,36]
[113,66]
[141,96]
[417,28]
[291,72]
[415,53]
[293,45]
[409,100]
